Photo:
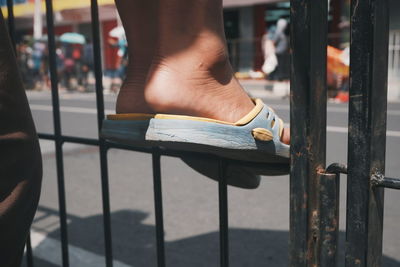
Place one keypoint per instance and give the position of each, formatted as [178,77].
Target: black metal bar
[328,225]
[71,139]
[29,255]
[57,132]
[308,125]
[158,207]
[337,168]
[162,151]
[380,180]
[102,143]
[180,154]
[223,214]
[367,130]
[11,21]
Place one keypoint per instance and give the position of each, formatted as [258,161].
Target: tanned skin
[20,158]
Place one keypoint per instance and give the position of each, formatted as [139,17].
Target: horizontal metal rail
[162,151]
[337,168]
[379,180]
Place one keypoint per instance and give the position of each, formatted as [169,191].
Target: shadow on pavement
[134,243]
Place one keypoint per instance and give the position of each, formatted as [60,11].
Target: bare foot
[180,68]
[188,84]
[197,84]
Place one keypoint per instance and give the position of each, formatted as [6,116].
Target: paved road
[258,218]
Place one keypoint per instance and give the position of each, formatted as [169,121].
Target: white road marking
[69,109]
[334,129]
[48,146]
[49,249]
[337,129]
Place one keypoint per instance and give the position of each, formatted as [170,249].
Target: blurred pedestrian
[38,67]
[68,69]
[23,59]
[118,74]
[281,74]
[77,71]
[87,63]
[268,48]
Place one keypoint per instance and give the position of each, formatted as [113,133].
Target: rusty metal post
[328,210]
[367,130]
[308,126]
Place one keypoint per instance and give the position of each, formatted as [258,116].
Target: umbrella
[117,32]
[72,38]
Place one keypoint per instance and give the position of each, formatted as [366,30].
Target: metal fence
[314,188]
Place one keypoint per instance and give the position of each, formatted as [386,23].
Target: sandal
[254,138]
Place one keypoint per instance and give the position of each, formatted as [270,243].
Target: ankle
[196,87]
[131,95]
[173,77]
[203,51]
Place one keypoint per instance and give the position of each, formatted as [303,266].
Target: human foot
[254,138]
[183,68]
[188,85]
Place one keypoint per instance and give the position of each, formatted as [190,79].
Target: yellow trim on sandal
[143,116]
[130,116]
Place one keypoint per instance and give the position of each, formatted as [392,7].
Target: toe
[285,138]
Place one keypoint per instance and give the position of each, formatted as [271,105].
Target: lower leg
[184,43]
[190,72]
[20,160]
[140,20]
[183,66]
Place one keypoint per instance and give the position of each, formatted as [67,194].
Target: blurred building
[247,20]
[69,16]
[245,23]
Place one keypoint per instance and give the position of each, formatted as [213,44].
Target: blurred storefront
[246,22]
[69,16]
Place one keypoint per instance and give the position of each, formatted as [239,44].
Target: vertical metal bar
[367,130]
[57,132]
[158,207]
[223,215]
[11,21]
[308,125]
[29,255]
[328,208]
[102,144]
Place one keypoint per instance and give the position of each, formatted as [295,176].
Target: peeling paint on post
[367,131]
[328,207]
[308,126]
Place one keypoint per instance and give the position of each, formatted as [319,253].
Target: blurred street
[259,219]
[82,38]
